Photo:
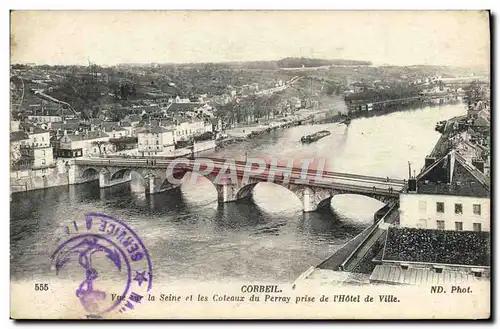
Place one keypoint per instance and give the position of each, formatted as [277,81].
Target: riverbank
[443,144]
[303,116]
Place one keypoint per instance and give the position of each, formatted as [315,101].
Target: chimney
[412,185]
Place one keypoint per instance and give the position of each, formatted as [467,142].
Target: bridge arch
[348,204]
[179,177]
[269,191]
[90,174]
[120,174]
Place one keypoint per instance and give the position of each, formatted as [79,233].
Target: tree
[99,144]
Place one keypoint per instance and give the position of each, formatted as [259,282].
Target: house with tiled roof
[449,194]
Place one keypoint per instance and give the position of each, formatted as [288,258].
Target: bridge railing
[161,161]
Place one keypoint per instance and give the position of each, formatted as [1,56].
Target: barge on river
[314,137]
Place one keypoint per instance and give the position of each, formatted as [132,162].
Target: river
[190,237]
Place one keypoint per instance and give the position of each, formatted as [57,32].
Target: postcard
[250,165]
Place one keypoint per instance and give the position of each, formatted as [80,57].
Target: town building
[443,236]
[154,140]
[449,194]
[37,150]
[46,113]
[186,129]
[114,130]
[89,143]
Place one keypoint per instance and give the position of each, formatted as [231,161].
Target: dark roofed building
[449,194]
[452,175]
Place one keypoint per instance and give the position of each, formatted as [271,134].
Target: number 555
[41,286]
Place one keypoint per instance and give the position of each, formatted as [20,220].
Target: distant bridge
[314,190]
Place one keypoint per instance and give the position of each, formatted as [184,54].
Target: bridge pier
[226,192]
[308,201]
[155,183]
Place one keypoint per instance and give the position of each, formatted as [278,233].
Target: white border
[190,4]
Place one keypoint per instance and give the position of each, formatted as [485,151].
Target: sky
[457,38]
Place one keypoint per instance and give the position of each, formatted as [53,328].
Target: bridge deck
[355,182]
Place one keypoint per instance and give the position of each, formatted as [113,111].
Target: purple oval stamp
[102,249]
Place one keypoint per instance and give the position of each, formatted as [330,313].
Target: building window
[440,207]
[476,227]
[458,208]
[157,142]
[422,206]
[440,224]
[459,226]
[43,162]
[476,208]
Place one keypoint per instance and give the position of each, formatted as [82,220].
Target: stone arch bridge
[313,193]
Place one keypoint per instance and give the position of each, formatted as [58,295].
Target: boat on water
[314,137]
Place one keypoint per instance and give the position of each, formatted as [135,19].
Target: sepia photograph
[243,164]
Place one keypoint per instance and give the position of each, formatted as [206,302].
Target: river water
[190,237]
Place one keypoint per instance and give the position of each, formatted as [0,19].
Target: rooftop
[437,246]
[178,107]
[420,276]
[111,126]
[154,130]
[452,175]
[86,136]
[32,129]
[18,136]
